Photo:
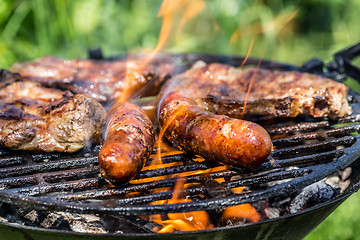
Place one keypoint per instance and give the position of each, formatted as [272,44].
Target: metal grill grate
[305,152]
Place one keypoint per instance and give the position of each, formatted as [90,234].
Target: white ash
[272,212]
[32,216]
[49,221]
[78,223]
[346,173]
[340,180]
[277,182]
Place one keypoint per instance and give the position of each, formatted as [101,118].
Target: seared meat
[100,79]
[222,89]
[38,118]
[129,140]
[215,137]
[218,138]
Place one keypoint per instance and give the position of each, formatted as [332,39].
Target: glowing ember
[240,213]
[243,212]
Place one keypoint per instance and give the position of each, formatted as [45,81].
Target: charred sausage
[216,137]
[129,140]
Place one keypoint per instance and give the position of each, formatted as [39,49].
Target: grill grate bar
[320,135]
[298,127]
[169,182]
[49,177]
[304,149]
[159,196]
[46,156]
[350,119]
[61,187]
[308,158]
[269,178]
[47,166]
[178,157]
[11,161]
[172,170]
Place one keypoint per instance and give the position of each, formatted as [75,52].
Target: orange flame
[168,10]
[249,51]
[249,89]
[162,132]
[188,221]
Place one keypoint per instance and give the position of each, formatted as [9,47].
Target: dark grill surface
[306,150]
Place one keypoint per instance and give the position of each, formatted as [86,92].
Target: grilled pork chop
[100,79]
[36,118]
[222,89]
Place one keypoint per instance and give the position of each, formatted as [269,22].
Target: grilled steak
[34,118]
[222,89]
[100,79]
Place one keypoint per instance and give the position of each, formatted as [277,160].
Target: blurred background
[285,31]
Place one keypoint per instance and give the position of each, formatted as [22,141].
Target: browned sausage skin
[129,140]
[216,137]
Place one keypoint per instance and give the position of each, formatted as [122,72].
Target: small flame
[187,221]
[249,51]
[249,88]
[162,132]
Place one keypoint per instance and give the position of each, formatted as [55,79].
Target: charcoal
[215,189]
[129,225]
[55,221]
[32,216]
[311,195]
[9,213]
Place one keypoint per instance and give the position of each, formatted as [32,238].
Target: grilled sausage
[129,140]
[216,137]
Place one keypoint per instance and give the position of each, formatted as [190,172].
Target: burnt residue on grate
[305,151]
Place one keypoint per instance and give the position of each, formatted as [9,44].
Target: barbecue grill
[306,151]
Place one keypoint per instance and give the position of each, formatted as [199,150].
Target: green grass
[342,224]
[64,28]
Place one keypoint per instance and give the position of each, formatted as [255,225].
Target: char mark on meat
[100,79]
[222,89]
[36,118]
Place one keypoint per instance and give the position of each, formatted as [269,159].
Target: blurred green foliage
[30,29]
[286,31]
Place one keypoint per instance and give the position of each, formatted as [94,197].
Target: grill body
[291,226]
